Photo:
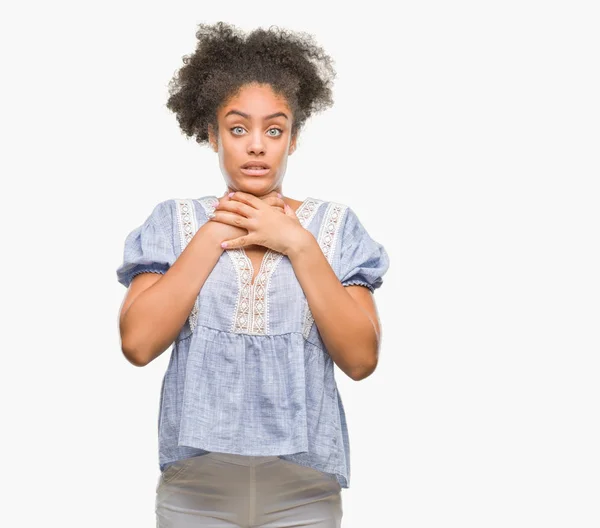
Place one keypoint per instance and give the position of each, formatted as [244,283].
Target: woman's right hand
[227,232]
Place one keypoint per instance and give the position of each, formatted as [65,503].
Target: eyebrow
[247,116]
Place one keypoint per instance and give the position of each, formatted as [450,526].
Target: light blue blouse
[248,373]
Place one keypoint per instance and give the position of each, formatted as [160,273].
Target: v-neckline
[266,255]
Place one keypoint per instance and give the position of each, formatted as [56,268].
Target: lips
[255,165]
[255,168]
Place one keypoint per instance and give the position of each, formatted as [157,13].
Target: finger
[275,201]
[235,207]
[248,199]
[228,218]
[223,199]
[242,241]
[289,211]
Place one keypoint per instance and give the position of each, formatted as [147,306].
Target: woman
[259,294]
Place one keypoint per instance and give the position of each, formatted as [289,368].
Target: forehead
[257,100]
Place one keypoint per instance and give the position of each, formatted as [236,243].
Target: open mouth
[255,169]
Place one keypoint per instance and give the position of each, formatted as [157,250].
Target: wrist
[210,231]
[303,242]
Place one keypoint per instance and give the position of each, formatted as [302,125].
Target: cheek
[283,154]
[229,152]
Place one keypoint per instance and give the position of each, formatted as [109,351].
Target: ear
[293,142]
[212,138]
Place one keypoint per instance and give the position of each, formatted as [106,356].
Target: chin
[255,185]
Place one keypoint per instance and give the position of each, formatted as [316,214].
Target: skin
[255,138]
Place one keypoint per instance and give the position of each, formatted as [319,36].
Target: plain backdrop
[464,135]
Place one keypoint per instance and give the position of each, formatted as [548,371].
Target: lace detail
[260,312]
[251,313]
[328,234]
[243,267]
[307,210]
[208,204]
[186,220]
[188,225]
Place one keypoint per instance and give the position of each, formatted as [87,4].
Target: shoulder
[338,215]
[203,200]
[324,205]
[161,214]
[192,209]
[184,214]
[353,231]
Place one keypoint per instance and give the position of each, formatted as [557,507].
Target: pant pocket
[172,471]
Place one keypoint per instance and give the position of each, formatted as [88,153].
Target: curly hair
[225,60]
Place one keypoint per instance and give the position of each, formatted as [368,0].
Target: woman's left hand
[265,225]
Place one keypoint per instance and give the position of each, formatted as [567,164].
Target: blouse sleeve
[363,261]
[149,247]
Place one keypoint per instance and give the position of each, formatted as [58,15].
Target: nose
[256,144]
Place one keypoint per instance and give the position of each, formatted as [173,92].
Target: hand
[226,232]
[265,226]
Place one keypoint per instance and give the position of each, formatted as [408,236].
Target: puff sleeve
[149,247]
[363,261]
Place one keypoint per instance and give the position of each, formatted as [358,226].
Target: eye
[235,128]
[276,129]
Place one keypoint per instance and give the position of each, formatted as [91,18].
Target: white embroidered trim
[242,318]
[260,301]
[243,268]
[188,225]
[251,314]
[328,234]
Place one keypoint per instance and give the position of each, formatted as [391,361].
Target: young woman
[259,294]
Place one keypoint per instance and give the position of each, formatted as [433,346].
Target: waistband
[242,460]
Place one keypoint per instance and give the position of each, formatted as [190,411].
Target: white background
[465,135]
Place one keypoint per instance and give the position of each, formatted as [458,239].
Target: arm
[345,316]
[157,306]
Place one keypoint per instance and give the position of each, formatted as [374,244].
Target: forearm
[156,316]
[346,330]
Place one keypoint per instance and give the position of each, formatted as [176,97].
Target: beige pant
[221,490]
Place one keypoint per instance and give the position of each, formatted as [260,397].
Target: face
[254,128]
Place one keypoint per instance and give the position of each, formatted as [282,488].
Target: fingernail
[279,195]
[224,244]
[230,194]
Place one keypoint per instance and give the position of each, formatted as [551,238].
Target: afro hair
[226,59]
